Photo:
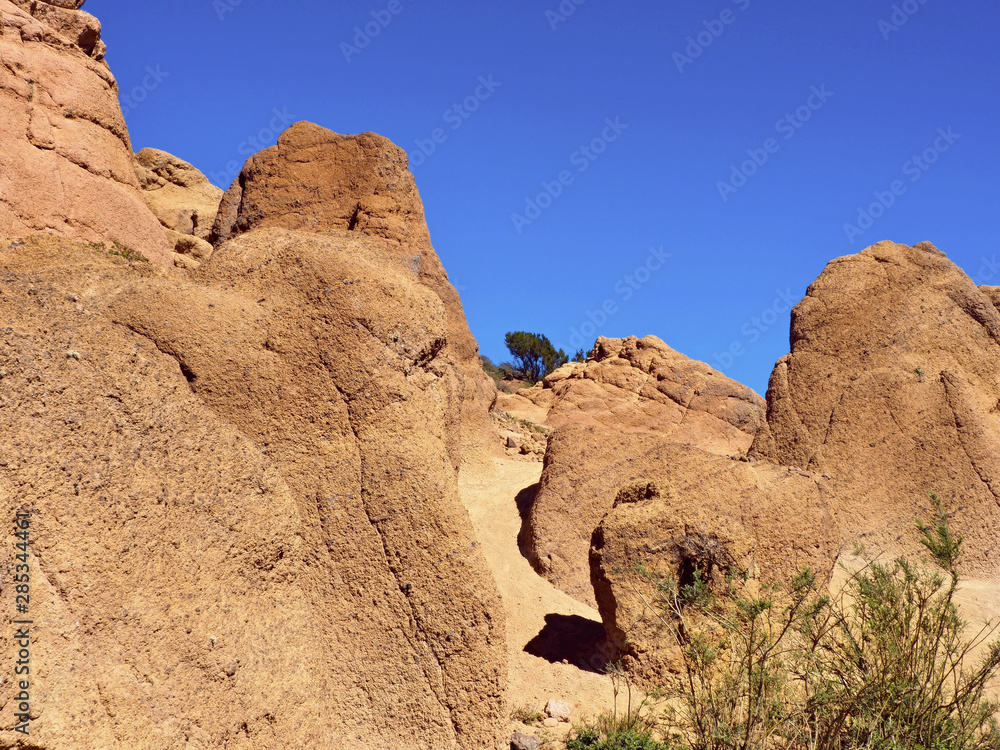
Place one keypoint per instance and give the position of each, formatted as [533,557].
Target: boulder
[179,195]
[892,388]
[628,386]
[319,181]
[65,154]
[642,385]
[722,517]
[245,525]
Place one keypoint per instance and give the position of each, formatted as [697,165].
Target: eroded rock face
[245,521]
[892,387]
[703,512]
[635,386]
[317,180]
[65,156]
[183,200]
[642,385]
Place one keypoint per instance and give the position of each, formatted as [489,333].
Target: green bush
[884,665]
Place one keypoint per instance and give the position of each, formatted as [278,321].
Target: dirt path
[547,622]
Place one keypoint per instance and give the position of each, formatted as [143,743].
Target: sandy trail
[539,616]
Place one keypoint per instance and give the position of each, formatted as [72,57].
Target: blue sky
[679,169]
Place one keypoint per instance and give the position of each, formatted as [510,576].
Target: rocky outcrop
[632,386]
[183,200]
[65,155]
[891,392]
[244,521]
[316,180]
[642,385]
[706,513]
[892,387]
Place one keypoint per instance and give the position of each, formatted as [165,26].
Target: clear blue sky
[866,87]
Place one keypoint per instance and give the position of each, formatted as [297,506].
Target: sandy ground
[545,627]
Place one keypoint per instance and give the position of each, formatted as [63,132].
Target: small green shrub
[884,665]
[126,252]
[527,715]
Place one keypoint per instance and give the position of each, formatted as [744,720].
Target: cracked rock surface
[246,525]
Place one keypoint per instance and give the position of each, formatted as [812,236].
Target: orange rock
[65,155]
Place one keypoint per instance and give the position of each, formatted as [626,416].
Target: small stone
[522,741]
[550,722]
[558,710]
[511,442]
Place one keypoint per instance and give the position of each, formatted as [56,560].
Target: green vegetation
[527,715]
[534,354]
[497,373]
[884,665]
[119,250]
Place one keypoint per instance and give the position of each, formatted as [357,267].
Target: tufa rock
[243,467]
[892,388]
[705,513]
[179,195]
[319,181]
[65,155]
[631,385]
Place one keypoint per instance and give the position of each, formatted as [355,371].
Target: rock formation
[317,180]
[184,201]
[637,386]
[891,392]
[65,155]
[714,514]
[245,524]
[892,387]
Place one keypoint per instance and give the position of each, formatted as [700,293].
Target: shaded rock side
[719,516]
[245,525]
[317,180]
[630,385]
[892,387]
[65,155]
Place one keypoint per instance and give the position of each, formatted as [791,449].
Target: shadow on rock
[572,639]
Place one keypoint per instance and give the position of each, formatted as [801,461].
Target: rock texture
[642,385]
[245,526]
[65,155]
[702,512]
[633,386]
[316,180]
[184,201]
[892,387]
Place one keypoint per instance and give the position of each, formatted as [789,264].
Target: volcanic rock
[245,528]
[702,512]
[892,387]
[634,386]
[316,180]
[65,154]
